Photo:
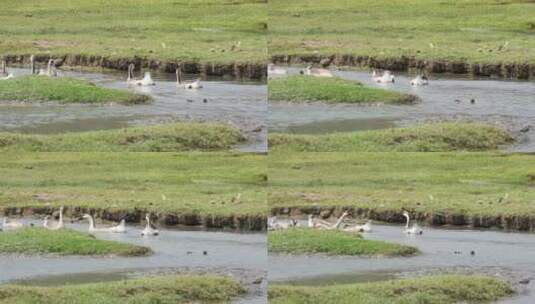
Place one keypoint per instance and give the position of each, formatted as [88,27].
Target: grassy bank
[160,289]
[64,90]
[473,31]
[63,242]
[332,242]
[203,184]
[438,137]
[331,90]
[454,186]
[430,290]
[167,30]
[158,138]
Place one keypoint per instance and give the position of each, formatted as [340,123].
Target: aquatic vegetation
[436,137]
[441,289]
[173,137]
[64,90]
[331,90]
[170,289]
[63,242]
[332,242]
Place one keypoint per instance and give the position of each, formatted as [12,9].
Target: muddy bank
[235,222]
[249,70]
[502,70]
[507,222]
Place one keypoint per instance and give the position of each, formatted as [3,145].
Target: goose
[337,224]
[414,229]
[59,225]
[367,227]
[420,80]
[4,75]
[11,225]
[145,81]
[275,224]
[314,222]
[195,84]
[148,229]
[273,70]
[316,72]
[121,228]
[386,77]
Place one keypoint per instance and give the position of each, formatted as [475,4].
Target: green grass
[159,289]
[31,241]
[331,90]
[486,31]
[332,242]
[188,183]
[201,30]
[443,289]
[168,137]
[492,184]
[437,137]
[64,90]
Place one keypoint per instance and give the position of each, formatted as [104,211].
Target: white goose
[414,229]
[195,84]
[367,227]
[273,70]
[145,81]
[420,80]
[148,231]
[316,72]
[386,77]
[60,223]
[121,228]
[275,224]
[4,75]
[13,224]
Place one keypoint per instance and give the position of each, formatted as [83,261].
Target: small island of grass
[33,241]
[332,90]
[174,137]
[438,137]
[64,90]
[332,242]
[442,289]
[169,289]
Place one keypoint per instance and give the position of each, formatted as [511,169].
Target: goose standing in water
[121,228]
[145,81]
[4,75]
[414,229]
[367,227]
[386,77]
[317,72]
[273,70]
[148,231]
[420,80]
[59,225]
[13,224]
[195,84]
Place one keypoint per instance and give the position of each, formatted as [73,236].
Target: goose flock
[316,223]
[149,230]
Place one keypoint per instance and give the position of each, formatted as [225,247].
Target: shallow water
[240,254]
[504,254]
[241,103]
[505,102]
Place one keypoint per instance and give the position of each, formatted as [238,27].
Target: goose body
[386,77]
[149,231]
[11,224]
[60,223]
[275,224]
[145,81]
[314,222]
[121,228]
[273,70]
[4,74]
[191,85]
[420,80]
[8,76]
[316,72]
[334,226]
[414,229]
[367,227]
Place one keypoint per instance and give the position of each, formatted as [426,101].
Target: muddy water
[238,254]
[241,103]
[506,255]
[507,103]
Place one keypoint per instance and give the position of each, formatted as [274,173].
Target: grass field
[158,138]
[160,289]
[332,242]
[491,184]
[331,90]
[485,31]
[430,290]
[190,183]
[438,137]
[63,242]
[201,30]
[64,90]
